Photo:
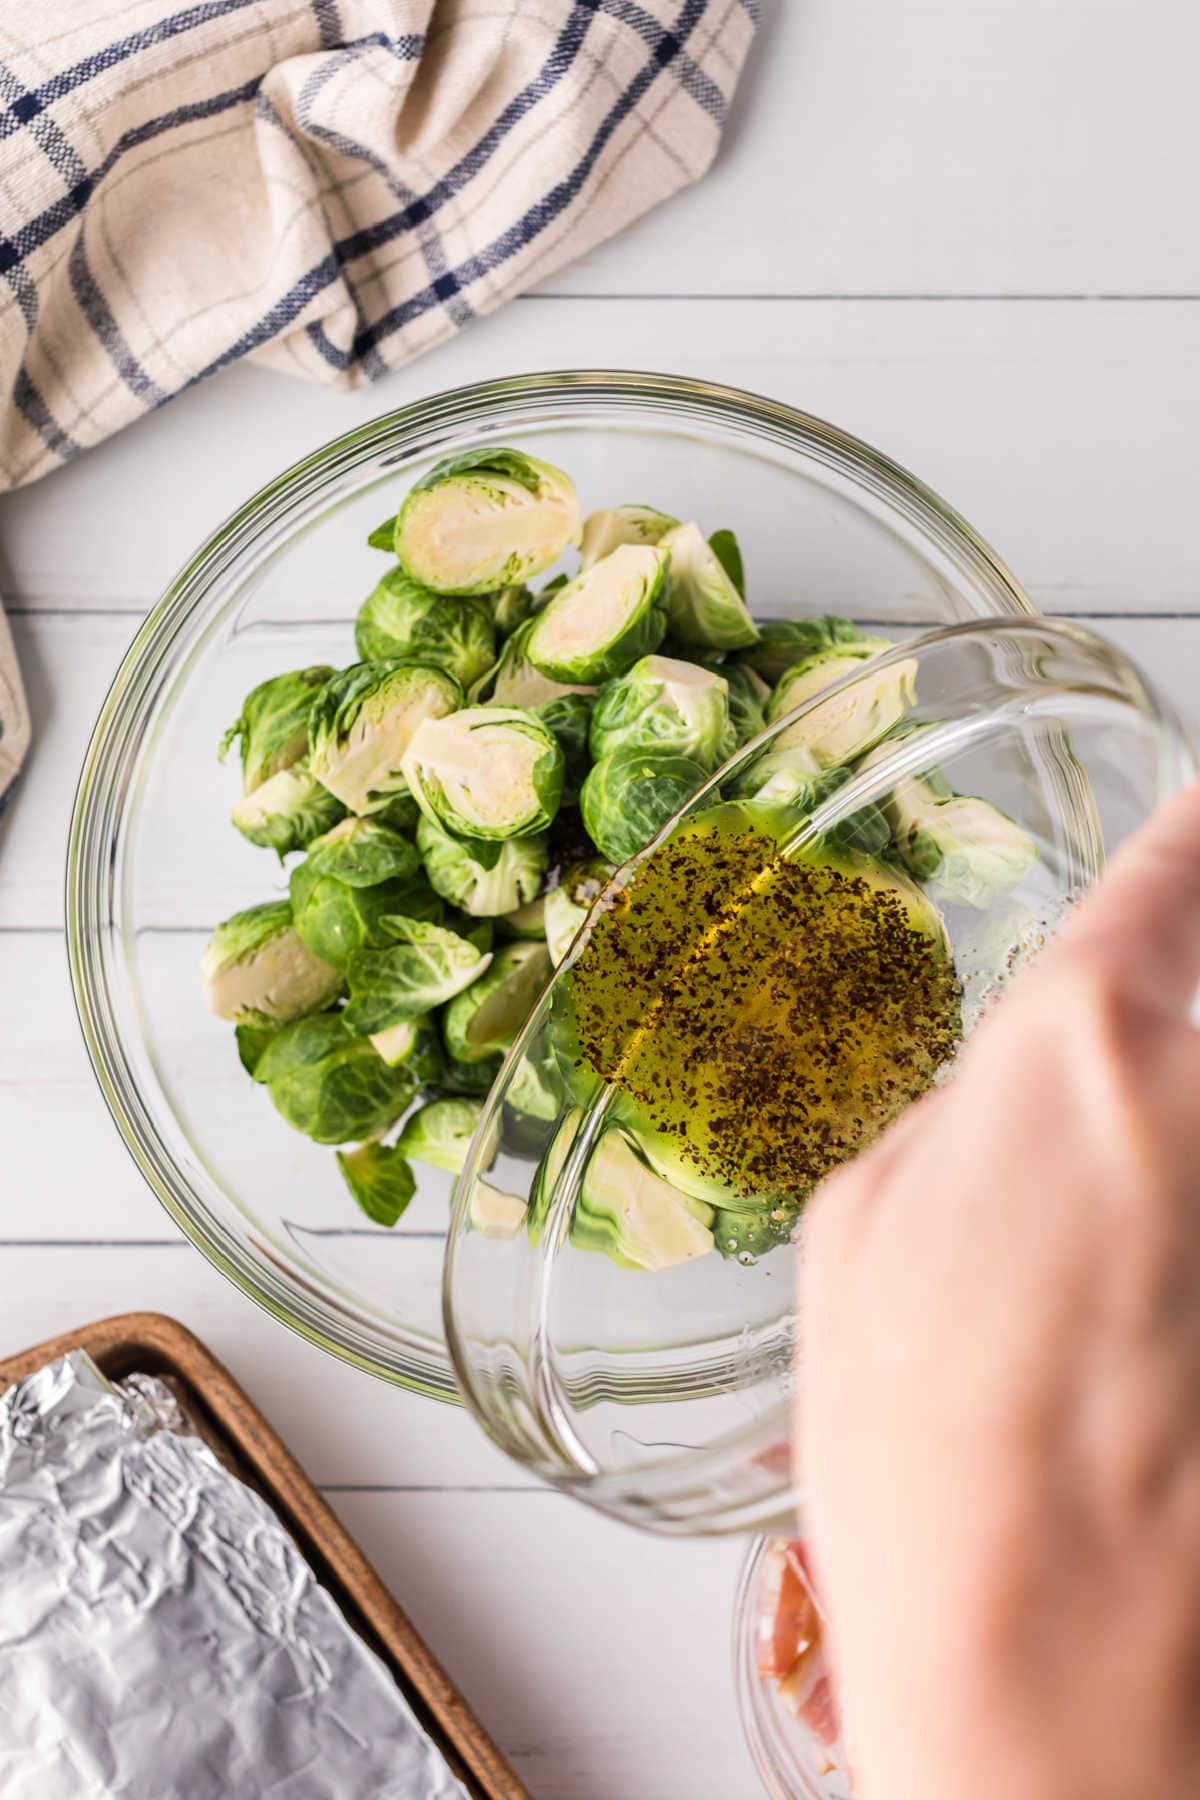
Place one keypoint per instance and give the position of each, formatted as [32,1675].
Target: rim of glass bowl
[416,431]
[773,1739]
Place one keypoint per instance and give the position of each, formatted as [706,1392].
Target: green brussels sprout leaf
[668,705]
[329,1083]
[728,552]
[273,724]
[426,967]
[783,642]
[440,1133]
[363,853]
[379,1179]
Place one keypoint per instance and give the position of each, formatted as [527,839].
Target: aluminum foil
[161,1637]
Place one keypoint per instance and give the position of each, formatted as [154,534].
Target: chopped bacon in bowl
[790,1648]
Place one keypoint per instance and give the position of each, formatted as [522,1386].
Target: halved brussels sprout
[426,966]
[485,879]
[852,721]
[484,520]
[728,552]
[488,772]
[789,786]
[568,905]
[510,608]
[703,604]
[970,849]
[256,967]
[629,797]
[273,724]
[663,704]
[363,721]
[330,1083]
[515,682]
[783,642]
[482,1022]
[287,810]
[362,853]
[599,624]
[402,619]
[632,1215]
[608,529]
[379,1179]
[440,1133]
[669,1158]
[336,920]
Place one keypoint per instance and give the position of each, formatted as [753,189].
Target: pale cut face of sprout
[520,684]
[485,773]
[614,592]
[368,761]
[282,981]
[613,526]
[849,722]
[465,534]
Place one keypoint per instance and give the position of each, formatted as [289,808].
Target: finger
[1143,919]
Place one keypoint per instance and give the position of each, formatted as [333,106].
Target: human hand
[1000,1417]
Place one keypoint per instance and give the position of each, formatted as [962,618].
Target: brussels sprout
[380,1180]
[661,704]
[427,966]
[744,1236]
[362,853]
[534,1089]
[515,682]
[401,619]
[493,1213]
[488,772]
[510,608]
[728,552]
[483,878]
[273,724]
[748,696]
[252,1033]
[528,921]
[703,604]
[255,966]
[971,850]
[850,722]
[600,623]
[629,797]
[482,1022]
[440,1133]
[484,520]
[336,920]
[287,810]
[668,1156]
[361,724]
[632,1215]
[330,1084]
[783,642]
[569,718]
[616,525]
[568,905]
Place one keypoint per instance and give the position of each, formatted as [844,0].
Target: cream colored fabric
[327,186]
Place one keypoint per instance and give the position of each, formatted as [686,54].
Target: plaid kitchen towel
[327,186]
[14,718]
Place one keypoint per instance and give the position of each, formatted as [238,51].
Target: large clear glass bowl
[827,524]
[662,1392]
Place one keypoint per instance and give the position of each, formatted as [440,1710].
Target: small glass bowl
[664,1396]
[793,1761]
[827,524]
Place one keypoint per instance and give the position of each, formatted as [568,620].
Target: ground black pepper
[771,1013]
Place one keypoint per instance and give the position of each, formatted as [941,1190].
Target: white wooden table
[961,228]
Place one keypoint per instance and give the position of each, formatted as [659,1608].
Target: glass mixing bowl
[1019,755]
[827,524]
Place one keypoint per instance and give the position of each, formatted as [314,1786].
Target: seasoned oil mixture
[771,1013]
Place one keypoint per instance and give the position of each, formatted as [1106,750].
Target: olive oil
[771,1012]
